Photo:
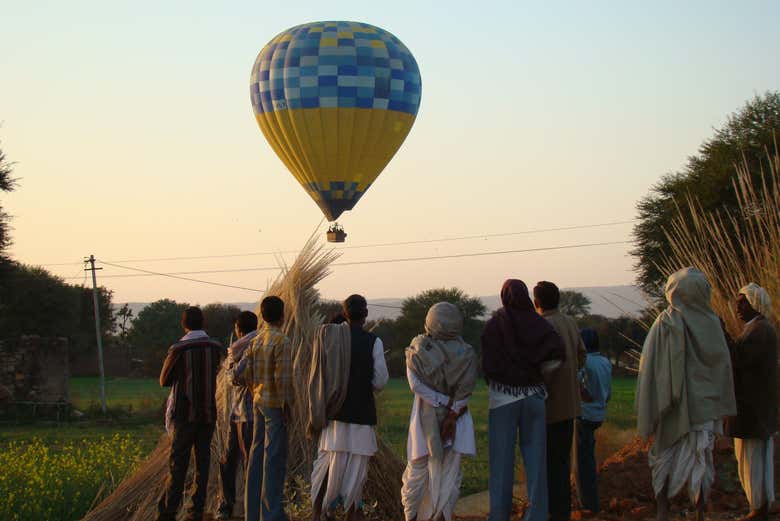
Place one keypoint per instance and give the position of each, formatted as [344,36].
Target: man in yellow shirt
[267,371]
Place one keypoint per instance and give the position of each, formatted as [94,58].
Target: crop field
[56,471]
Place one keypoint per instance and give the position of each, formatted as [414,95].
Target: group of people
[695,382]
[548,392]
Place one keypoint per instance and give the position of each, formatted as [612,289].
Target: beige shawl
[685,371]
[443,362]
[758,298]
[329,374]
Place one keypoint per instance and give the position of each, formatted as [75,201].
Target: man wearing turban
[685,389]
[754,358]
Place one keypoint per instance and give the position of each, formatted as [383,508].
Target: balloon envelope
[335,100]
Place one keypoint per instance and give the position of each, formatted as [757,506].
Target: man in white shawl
[754,357]
[441,370]
[685,389]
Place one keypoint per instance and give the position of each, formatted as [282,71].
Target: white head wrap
[758,298]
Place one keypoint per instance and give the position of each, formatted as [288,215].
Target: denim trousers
[586,475]
[187,437]
[523,420]
[265,475]
[234,454]
[559,439]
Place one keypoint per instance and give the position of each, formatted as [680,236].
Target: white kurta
[689,461]
[756,469]
[344,450]
[416,445]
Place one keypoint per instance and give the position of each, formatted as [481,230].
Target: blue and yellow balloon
[335,100]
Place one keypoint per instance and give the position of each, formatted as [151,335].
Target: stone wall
[34,369]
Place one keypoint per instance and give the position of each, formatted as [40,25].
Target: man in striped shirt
[266,370]
[191,370]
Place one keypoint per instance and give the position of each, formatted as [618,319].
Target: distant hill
[610,301]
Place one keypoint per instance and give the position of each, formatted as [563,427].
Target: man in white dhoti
[685,389]
[754,357]
[347,440]
[441,369]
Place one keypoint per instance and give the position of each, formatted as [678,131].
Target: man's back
[563,402]
[359,406]
[191,368]
[598,375]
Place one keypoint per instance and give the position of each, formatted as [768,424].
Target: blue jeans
[585,458]
[524,419]
[267,467]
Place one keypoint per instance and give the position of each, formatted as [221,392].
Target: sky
[133,138]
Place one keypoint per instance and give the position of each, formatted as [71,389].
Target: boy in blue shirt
[596,392]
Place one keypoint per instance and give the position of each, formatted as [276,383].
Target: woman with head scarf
[685,389]
[754,357]
[441,369]
[518,348]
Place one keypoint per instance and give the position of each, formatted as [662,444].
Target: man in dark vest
[348,441]
[191,370]
[754,359]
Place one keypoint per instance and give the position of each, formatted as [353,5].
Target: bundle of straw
[136,497]
[733,247]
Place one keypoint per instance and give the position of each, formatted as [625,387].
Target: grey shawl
[685,373]
[329,374]
[443,362]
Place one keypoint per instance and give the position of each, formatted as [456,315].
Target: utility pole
[96,301]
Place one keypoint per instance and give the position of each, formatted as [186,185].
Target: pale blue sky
[128,118]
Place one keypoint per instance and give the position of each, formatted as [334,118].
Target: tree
[156,327]
[35,302]
[219,321]
[746,135]
[124,317]
[574,303]
[7,184]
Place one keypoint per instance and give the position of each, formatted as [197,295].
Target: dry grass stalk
[733,248]
[136,497]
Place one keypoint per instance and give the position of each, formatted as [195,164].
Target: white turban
[758,298]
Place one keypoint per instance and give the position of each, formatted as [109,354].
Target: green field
[136,404]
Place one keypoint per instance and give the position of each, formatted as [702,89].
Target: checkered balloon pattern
[335,64]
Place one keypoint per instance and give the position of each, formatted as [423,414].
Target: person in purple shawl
[518,348]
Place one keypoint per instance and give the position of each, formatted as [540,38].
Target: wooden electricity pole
[96,301]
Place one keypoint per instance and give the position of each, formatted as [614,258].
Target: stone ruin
[34,370]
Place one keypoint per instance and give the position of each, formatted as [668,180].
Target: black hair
[355,308]
[272,309]
[336,318]
[547,295]
[192,318]
[246,321]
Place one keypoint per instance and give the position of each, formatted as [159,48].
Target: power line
[174,276]
[374,245]
[178,274]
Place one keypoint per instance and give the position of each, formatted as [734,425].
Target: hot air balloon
[335,100]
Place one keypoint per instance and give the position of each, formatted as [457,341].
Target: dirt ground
[626,492]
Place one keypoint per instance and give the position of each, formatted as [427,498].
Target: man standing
[597,390]
[267,370]
[191,370]
[754,358]
[348,441]
[239,436]
[684,390]
[563,403]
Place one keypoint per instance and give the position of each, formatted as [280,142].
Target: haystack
[135,499]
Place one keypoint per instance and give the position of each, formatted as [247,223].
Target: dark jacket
[359,406]
[191,368]
[754,359]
